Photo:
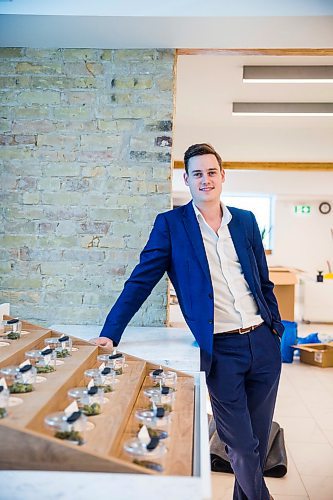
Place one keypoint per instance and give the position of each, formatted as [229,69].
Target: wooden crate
[27,444]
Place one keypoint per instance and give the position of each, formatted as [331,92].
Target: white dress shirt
[234,305]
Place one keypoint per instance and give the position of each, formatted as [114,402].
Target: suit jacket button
[210,295]
[210,321]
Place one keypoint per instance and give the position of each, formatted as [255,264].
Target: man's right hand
[103,342]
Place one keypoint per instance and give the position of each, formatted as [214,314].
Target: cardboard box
[284,280]
[316,354]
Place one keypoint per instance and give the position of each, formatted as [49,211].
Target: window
[261,206]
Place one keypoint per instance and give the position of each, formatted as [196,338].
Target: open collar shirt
[234,305]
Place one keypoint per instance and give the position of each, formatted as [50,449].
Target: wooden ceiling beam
[269,165]
[256,52]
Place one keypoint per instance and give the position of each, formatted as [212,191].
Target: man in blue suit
[214,257]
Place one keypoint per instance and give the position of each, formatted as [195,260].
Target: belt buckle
[247,330]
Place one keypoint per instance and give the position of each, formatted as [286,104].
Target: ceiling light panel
[282,109]
[288,74]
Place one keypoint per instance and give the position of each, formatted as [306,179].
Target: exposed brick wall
[85,151]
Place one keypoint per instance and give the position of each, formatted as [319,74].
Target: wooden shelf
[27,444]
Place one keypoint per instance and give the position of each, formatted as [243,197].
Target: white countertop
[172,347]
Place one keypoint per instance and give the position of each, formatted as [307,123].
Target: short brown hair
[198,150]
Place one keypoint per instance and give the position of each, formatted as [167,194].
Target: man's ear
[223,174]
[185,176]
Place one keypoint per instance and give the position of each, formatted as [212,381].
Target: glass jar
[70,428]
[12,329]
[44,361]
[89,400]
[4,399]
[145,454]
[162,397]
[167,377]
[62,345]
[19,380]
[105,378]
[154,419]
[114,361]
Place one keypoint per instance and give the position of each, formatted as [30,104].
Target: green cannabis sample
[74,436]
[93,409]
[20,388]
[45,369]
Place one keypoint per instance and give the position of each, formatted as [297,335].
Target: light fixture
[282,109]
[288,74]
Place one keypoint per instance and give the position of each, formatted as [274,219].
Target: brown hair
[198,150]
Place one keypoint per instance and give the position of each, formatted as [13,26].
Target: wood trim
[264,165]
[255,52]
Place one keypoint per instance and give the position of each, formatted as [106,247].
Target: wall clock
[325,207]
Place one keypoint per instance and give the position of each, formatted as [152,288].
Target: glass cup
[12,329]
[44,361]
[89,400]
[62,345]
[70,428]
[19,380]
[105,379]
[167,377]
[145,456]
[4,399]
[162,397]
[114,361]
[156,420]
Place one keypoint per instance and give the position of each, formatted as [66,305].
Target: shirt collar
[226,217]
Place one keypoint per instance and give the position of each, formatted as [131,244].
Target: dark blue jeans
[243,384]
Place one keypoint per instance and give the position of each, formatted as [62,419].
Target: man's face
[204,178]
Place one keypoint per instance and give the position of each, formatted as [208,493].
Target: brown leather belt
[241,330]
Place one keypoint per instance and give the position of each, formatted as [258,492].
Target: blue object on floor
[312,338]
[289,338]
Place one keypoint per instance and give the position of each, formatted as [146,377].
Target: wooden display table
[27,444]
[167,346]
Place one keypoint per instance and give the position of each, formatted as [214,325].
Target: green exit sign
[302,209]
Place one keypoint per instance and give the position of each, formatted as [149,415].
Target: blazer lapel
[237,232]
[193,230]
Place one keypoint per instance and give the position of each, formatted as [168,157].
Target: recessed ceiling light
[282,109]
[288,74]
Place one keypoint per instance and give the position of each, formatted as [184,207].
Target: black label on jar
[160,412]
[93,390]
[153,443]
[74,417]
[64,338]
[157,372]
[115,356]
[46,352]
[106,371]
[25,368]
[12,321]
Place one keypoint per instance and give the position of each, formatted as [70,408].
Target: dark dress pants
[243,384]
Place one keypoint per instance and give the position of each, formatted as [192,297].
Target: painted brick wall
[85,146]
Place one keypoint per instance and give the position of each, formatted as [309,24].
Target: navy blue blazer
[175,246]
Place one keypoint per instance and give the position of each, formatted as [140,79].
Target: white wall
[304,242]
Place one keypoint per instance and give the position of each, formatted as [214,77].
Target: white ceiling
[173,24]
[206,88]
[206,85]
[170,8]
